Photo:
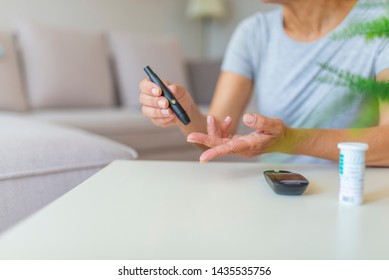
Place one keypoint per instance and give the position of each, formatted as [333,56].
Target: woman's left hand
[269,136]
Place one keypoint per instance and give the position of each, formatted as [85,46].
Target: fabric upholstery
[126,126]
[65,67]
[203,75]
[11,90]
[132,53]
[41,161]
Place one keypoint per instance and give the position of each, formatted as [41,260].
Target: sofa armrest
[203,76]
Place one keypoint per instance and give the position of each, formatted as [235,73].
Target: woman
[277,56]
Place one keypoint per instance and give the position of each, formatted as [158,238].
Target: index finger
[231,147]
[204,139]
[148,87]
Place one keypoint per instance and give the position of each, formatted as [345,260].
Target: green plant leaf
[355,83]
[373,4]
[378,28]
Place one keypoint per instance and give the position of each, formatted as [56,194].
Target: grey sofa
[58,123]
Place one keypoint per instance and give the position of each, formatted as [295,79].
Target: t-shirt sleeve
[238,56]
[382,61]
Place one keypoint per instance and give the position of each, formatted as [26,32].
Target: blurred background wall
[138,16]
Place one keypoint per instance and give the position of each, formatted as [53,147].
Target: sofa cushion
[65,67]
[203,75]
[132,53]
[42,161]
[126,126]
[11,90]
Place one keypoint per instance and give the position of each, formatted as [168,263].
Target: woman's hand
[214,129]
[269,136]
[156,107]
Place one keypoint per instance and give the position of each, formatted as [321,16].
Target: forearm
[322,143]
[197,123]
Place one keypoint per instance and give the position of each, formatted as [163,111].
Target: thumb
[260,122]
[178,92]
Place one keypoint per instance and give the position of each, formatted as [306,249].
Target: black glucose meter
[285,182]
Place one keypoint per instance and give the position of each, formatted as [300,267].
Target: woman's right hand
[156,107]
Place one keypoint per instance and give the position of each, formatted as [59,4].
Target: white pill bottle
[351,172]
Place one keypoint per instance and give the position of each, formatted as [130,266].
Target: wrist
[197,120]
[296,141]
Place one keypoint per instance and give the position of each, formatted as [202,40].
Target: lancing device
[173,102]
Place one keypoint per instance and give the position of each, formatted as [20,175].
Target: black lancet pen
[173,102]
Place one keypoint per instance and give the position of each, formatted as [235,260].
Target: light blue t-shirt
[286,73]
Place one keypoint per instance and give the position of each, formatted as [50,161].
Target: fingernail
[165,112]
[227,119]
[203,159]
[162,103]
[249,118]
[155,91]
[190,140]
[209,120]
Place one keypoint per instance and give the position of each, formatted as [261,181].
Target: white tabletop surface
[187,210]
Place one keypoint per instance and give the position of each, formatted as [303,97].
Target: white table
[187,210]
